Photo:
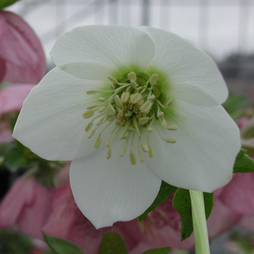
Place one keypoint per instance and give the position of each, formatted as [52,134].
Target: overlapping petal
[110,190]
[113,46]
[12,97]
[238,194]
[21,49]
[52,116]
[207,142]
[183,63]
[26,206]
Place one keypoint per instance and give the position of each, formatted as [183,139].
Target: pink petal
[12,97]
[22,51]
[5,133]
[160,228]
[3,26]
[26,205]
[238,194]
[2,68]
[66,221]
[247,223]
[221,219]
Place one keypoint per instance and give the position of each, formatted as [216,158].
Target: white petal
[192,94]
[51,121]
[186,64]
[111,190]
[88,71]
[114,46]
[207,142]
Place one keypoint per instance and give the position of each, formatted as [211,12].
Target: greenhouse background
[222,28]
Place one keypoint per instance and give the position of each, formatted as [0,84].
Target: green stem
[199,222]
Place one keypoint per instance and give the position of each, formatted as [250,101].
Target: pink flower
[21,52]
[26,206]
[238,194]
[66,221]
[160,228]
[11,99]
[2,66]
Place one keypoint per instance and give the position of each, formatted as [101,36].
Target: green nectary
[136,102]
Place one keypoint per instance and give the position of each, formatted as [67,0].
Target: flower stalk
[199,222]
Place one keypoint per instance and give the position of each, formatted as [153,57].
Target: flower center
[134,104]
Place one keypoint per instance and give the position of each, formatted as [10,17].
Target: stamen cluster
[134,103]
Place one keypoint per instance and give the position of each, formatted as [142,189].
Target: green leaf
[164,250]
[61,246]
[208,200]
[112,243]
[234,103]
[15,159]
[5,3]
[243,163]
[182,203]
[165,191]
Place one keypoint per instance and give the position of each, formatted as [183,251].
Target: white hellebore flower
[130,107]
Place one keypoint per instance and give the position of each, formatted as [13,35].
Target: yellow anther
[118,101]
[92,107]
[151,152]
[101,121]
[125,97]
[91,92]
[170,140]
[123,151]
[149,129]
[151,97]
[89,126]
[102,99]
[109,153]
[145,148]
[160,114]
[112,86]
[102,109]
[154,79]
[112,111]
[172,127]
[112,79]
[169,102]
[88,114]
[108,141]
[143,120]
[97,143]
[132,76]
[145,108]
[141,157]
[133,158]
[92,133]
[135,98]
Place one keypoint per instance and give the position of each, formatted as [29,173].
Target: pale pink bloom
[26,206]
[5,132]
[221,219]
[11,99]
[238,194]
[20,49]
[2,66]
[242,121]
[66,221]
[160,228]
